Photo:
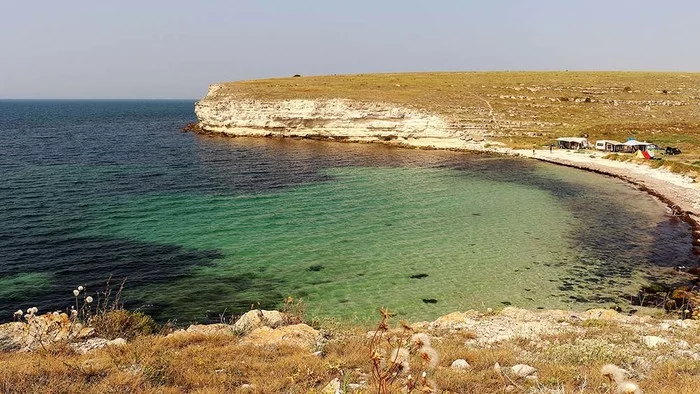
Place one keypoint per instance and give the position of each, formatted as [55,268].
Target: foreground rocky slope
[513,350]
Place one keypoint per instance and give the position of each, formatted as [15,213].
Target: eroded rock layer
[337,119]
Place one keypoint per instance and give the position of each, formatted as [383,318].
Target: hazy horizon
[175,49]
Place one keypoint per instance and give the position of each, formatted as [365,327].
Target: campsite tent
[634,145]
[644,154]
[572,142]
[609,145]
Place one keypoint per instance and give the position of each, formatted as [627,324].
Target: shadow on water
[59,264]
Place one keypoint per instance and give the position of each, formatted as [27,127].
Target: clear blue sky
[174,49]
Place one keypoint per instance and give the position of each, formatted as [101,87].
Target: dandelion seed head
[401,357]
[19,312]
[81,288]
[420,339]
[613,372]
[88,299]
[628,387]
[76,292]
[430,356]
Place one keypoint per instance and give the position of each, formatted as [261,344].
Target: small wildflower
[81,288]
[76,292]
[73,313]
[88,299]
[18,314]
[33,310]
[385,313]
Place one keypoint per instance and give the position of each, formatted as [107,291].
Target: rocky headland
[329,119]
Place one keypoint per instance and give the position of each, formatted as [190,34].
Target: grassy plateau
[523,108]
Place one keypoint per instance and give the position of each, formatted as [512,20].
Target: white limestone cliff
[334,119]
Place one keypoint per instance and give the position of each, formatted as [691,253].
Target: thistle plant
[406,348]
[81,311]
[104,314]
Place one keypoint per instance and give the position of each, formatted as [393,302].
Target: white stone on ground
[652,341]
[523,370]
[460,363]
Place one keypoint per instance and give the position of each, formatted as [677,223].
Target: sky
[176,48]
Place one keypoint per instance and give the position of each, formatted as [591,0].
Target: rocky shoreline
[271,327]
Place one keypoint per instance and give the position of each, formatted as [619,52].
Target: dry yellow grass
[219,363]
[523,108]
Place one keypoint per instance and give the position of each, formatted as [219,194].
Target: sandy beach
[680,192]
[679,189]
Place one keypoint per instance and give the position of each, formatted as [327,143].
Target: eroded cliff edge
[332,119]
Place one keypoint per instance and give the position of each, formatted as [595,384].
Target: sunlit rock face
[339,119]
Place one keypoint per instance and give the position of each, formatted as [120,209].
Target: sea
[199,228]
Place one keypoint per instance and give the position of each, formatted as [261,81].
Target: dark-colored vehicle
[671,150]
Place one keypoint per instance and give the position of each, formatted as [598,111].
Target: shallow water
[201,225]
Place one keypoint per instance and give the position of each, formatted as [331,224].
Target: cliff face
[338,119]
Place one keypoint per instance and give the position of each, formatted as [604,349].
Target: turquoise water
[351,245]
[201,226]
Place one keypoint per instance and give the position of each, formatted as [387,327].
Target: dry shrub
[120,323]
[350,352]
[294,311]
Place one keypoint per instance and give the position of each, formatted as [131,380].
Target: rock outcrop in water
[333,119]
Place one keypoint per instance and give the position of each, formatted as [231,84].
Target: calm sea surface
[201,226]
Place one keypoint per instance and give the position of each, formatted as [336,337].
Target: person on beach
[533,149]
[550,147]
